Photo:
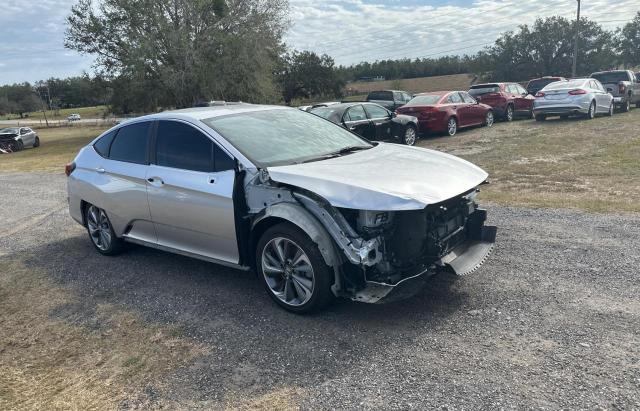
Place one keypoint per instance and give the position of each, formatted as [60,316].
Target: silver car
[314,209]
[16,138]
[586,97]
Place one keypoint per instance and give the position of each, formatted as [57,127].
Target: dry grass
[415,85]
[589,165]
[58,146]
[85,112]
[46,363]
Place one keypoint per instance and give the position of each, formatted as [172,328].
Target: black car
[372,122]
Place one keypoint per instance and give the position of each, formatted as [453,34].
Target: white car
[584,97]
[316,210]
[74,117]
[16,138]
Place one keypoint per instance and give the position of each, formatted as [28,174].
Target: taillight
[621,88]
[539,94]
[577,92]
[68,169]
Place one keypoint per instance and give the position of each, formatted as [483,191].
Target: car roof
[428,93]
[201,113]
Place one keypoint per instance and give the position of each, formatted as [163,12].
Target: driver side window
[376,111]
[355,113]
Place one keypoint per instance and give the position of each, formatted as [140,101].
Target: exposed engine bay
[380,250]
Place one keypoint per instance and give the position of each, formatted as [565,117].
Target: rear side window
[104,143]
[467,98]
[356,113]
[454,98]
[484,89]
[179,145]
[131,143]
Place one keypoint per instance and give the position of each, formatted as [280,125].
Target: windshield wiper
[338,153]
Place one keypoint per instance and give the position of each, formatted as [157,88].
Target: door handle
[212,180]
[100,170]
[156,181]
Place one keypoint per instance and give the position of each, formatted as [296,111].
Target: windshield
[280,137]
[558,85]
[611,77]
[9,130]
[484,89]
[425,100]
[537,85]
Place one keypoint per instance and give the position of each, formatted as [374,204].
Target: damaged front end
[384,254]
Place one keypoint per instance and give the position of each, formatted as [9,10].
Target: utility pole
[575,50]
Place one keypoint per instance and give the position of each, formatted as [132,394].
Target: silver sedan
[317,211]
[585,97]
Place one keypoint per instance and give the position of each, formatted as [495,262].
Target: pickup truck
[622,85]
[389,99]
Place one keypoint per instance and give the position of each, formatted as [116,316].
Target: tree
[546,48]
[179,52]
[19,99]
[629,42]
[305,74]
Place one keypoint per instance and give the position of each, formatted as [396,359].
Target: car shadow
[229,311]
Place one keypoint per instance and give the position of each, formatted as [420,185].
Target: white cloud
[358,30]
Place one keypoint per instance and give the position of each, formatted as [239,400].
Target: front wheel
[292,269]
[410,136]
[489,119]
[36,142]
[541,117]
[101,232]
[452,127]
[610,112]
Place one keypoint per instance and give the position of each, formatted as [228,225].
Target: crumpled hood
[388,177]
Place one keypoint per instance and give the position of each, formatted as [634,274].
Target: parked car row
[397,116]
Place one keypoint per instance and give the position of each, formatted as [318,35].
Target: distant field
[85,112]
[584,164]
[415,85]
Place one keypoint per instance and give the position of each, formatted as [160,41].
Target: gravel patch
[552,320]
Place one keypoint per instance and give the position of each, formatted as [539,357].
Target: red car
[507,99]
[447,111]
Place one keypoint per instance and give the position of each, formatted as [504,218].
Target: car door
[355,119]
[526,99]
[476,112]
[461,109]
[120,183]
[381,120]
[190,184]
[27,136]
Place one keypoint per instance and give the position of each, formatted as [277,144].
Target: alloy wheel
[509,113]
[592,110]
[288,271]
[610,113]
[410,136]
[489,119]
[99,228]
[452,127]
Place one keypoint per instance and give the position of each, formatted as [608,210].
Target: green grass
[85,112]
[584,164]
[58,146]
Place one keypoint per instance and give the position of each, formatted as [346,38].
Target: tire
[625,107]
[508,114]
[541,117]
[101,232]
[299,290]
[638,104]
[36,142]
[591,114]
[410,136]
[18,146]
[452,126]
[611,108]
[564,116]
[489,119]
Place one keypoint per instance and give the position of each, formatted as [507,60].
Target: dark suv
[507,99]
[389,99]
[537,84]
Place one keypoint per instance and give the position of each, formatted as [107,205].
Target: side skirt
[186,253]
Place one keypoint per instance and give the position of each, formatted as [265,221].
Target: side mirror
[394,114]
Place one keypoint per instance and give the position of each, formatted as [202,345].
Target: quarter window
[104,143]
[376,111]
[131,143]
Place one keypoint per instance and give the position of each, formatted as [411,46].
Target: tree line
[158,54]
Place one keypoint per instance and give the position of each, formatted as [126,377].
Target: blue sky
[32,31]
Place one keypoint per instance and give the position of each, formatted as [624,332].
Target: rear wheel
[410,135]
[508,115]
[591,114]
[626,106]
[452,126]
[541,117]
[101,232]
[292,269]
[489,119]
